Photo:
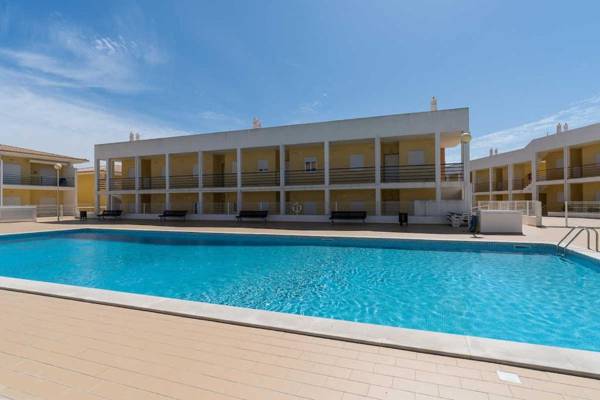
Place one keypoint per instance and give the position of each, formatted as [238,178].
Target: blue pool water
[488,290]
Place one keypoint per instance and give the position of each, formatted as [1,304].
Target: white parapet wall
[18,213]
[501,221]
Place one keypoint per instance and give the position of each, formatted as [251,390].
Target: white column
[377,175]
[534,189]
[326,198]
[167,171]
[138,172]
[438,168]
[138,186]
[566,163]
[238,167]
[108,174]
[2,182]
[490,182]
[326,163]
[511,172]
[465,150]
[96,184]
[167,181]
[200,168]
[281,179]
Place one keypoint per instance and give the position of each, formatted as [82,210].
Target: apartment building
[383,165]
[564,166]
[30,177]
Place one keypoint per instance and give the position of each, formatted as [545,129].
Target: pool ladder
[573,234]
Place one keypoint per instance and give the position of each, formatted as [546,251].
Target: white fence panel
[18,213]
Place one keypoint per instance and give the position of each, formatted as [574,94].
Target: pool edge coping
[582,363]
[539,357]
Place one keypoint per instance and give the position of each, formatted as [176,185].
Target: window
[416,157]
[357,161]
[310,164]
[560,197]
[117,168]
[263,165]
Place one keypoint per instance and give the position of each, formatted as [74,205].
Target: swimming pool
[494,290]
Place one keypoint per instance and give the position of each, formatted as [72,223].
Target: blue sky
[75,73]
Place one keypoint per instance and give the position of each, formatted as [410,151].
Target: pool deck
[54,348]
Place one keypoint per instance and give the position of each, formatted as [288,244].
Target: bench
[253,214]
[110,213]
[348,215]
[457,220]
[172,214]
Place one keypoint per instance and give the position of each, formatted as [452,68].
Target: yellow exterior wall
[552,200]
[482,175]
[352,195]
[521,196]
[549,161]
[250,159]
[340,153]
[23,196]
[521,171]
[305,195]
[590,154]
[257,197]
[296,154]
[33,197]
[591,191]
[407,194]
[403,147]
[23,162]
[183,164]
[427,145]
[482,198]
[184,201]
[230,197]
[211,160]
[85,189]
[500,174]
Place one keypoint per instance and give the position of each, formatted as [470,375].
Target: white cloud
[34,120]
[579,114]
[72,59]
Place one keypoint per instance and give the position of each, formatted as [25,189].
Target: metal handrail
[579,230]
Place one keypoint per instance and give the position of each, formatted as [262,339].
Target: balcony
[183,182]
[520,183]
[122,183]
[482,187]
[219,180]
[304,177]
[102,184]
[550,174]
[584,171]
[352,175]
[36,180]
[500,186]
[408,173]
[152,182]
[260,178]
[452,172]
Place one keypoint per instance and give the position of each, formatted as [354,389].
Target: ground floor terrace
[55,348]
[380,204]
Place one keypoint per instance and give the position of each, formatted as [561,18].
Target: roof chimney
[565,127]
[131,138]
[491,151]
[137,136]
[433,104]
[496,151]
[558,128]
[256,123]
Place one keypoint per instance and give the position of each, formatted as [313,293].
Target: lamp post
[57,167]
